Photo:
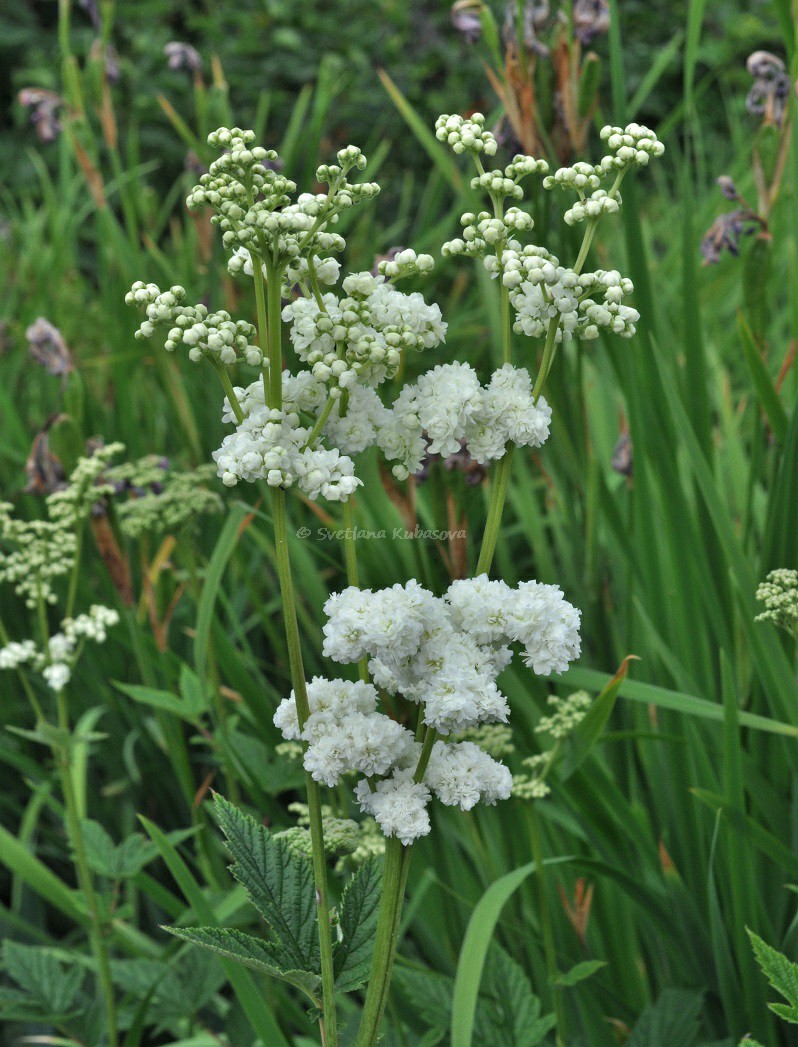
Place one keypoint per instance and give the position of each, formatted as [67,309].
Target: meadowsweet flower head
[779,593]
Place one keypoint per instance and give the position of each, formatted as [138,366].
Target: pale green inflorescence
[779,593]
[566,716]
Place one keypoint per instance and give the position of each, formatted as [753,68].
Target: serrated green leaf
[279,885]
[359,911]
[123,860]
[253,952]
[41,976]
[782,975]
[579,973]
[672,1019]
[508,1012]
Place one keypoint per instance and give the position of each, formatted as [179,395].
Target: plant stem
[273,304]
[97,935]
[549,950]
[260,309]
[498,494]
[394,877]
[313,790]
[229,391]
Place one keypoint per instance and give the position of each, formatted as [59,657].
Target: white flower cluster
[446,653]
[159,498]
[448,405]
[215,335]
[271,445]
[253,202]
[345,734]
[465,135]
[63,647]
[542,290]
[360,337]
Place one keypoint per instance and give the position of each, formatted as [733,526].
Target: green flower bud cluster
[594,206]
[483,233]
[37,552]
[465,135]
[502,184]
[779,593]
[495,738]
[214,335]
[568,713]
[253,202]
[406,264]
[350,842]
[632,146]
[161,499]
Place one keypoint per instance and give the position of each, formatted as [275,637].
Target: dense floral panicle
[447,407]
[779,593]
[461,775]
[271,445]
[359,338]
[567,714]
[399,806]
[37,552]
[255,208]
[631,146]
[446,653]
[406,264]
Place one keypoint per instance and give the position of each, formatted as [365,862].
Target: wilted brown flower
[182,56]
[770,91]
[44,107]
[622,460]
[535,16]
[48,348]
[725,232]
[466,20]
[591,19]
[43,469]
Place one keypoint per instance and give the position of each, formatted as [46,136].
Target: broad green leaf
[671,1020]
[119,861]
[19,859]
[164,700]
[579,973]
[475,949]
[41,975]
[359,910]
[279,885]
[253,952]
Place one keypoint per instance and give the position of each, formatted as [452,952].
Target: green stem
[317,428]
[273,308]
[260,309]
[394,882]
[394,877]
[229,391]
[498,495]
[313,790]
[549,349]
[84,876]
[549,951]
